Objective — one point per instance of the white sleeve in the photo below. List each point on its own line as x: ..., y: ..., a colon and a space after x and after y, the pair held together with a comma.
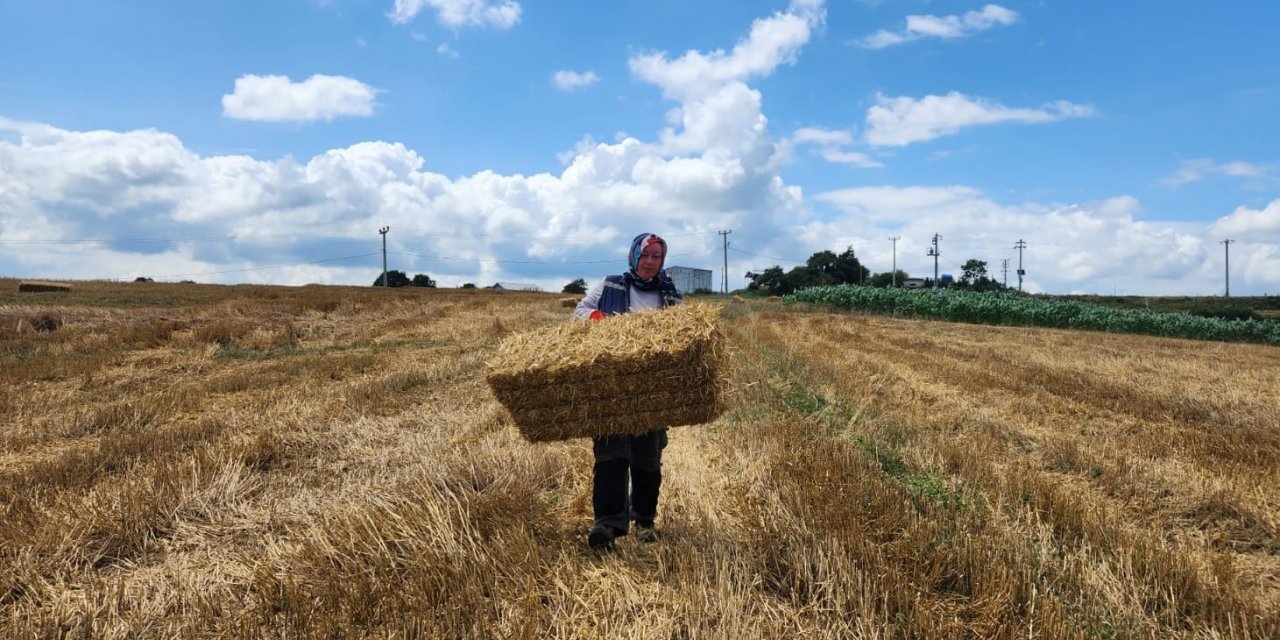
x: 589, y: 302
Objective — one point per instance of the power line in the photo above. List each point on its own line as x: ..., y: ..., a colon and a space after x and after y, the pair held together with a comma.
x: 255, y: 236
x: 761, y: 255
x: 612, y: 260
x: 274, y: 266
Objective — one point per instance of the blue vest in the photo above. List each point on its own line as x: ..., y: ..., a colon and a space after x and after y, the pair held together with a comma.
x: 615, y: 298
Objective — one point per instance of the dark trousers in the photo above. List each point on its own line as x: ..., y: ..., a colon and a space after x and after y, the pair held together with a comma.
x: 628, y: 474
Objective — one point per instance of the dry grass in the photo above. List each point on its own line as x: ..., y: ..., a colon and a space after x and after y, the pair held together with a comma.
x: 323, y: 462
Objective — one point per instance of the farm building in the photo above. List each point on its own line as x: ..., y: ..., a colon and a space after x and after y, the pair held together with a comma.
x: 690, y: 279
x: 515, y: 286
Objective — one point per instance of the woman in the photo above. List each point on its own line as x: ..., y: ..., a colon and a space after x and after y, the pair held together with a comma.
x: 623, y: 460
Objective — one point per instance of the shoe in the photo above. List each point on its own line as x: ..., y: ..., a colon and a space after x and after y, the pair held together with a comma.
x: 646, y: 533
x: 601, y: 537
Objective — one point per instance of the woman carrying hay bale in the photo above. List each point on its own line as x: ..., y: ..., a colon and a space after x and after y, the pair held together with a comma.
x: 634, y: 460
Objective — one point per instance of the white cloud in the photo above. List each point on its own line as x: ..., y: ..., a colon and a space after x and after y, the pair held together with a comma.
x: 447, y: 51
x: 1096, y: 247
x: 1245, y: 224
x: 1200, y: 168
x: 502, y: 14
x: 69, y: 186
x: 904, y: 120
x: 831, y: 147
x: 945, y: 27
x: 279, y: 99
x: 772, y: 42
x: 851, y: 158
x: 715, y: 166
x: 837, y: 137
x: 570, y: 80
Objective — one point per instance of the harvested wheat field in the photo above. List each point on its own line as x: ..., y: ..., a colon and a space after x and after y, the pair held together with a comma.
x: 185, y: 461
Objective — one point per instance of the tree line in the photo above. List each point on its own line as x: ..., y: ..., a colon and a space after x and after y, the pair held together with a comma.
x: 829, y: 268
x: 821, y: 269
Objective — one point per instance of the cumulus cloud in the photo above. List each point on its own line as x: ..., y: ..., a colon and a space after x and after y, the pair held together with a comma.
x: 447, y: 51
x: 945, y: 27
x: 903, y: 120
x: 772, y: 42
x: 713, y: 167
x: 279, y: 99
x: 93, y: 204
x: 502, y: 14
x: 570, y: 80
x: 816, y: 135
x: 1261, y: 225
x: 831, y: 146
x: 1093, y: 247
x: 1201, y: 168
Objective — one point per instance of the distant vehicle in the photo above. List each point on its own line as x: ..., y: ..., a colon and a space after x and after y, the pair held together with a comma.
x: 914, y: 283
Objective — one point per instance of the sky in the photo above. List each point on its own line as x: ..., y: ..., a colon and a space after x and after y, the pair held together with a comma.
x: 1130, y: 147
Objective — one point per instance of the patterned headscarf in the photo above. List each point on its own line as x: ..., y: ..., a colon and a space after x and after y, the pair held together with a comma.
x: 661, y: 282
x: 638, y: 245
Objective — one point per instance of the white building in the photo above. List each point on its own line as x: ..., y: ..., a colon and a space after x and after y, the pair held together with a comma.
x: 689, y: 279
x: 516, y: 286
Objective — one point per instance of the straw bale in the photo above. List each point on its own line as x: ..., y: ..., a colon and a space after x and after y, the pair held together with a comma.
x: 40, y: 286
x: 569, y: 303
x: 628, y: 374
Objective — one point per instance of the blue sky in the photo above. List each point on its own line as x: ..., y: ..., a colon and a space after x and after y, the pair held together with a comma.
x: 512, y: 141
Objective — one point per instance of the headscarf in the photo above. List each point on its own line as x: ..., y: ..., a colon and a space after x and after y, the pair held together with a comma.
x: 660, y: 282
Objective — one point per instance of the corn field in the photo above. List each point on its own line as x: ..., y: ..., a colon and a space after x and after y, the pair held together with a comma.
x: 199, y: 461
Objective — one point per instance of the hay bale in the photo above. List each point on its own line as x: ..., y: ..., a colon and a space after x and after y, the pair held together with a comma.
x: 40, y: 286
x: 569, y: 303
x: 628, y: 374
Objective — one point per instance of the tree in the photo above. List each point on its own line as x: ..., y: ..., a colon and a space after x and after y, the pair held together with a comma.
x: 973, y: 275
x: 395, y: 277
x: 423, y: 280
x: 972, y: 270
x: 468, y: 285
x: 886, y: 279
x: 821, y: 269
x: 771, y: 281
x: 849, y: 269
x: 578, y: 286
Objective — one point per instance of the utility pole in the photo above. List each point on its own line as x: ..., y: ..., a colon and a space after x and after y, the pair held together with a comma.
x: 724, y: 274
x: 934, y: 253
x: 1004, y: 267
x: 894, y: 274
x: 1020, y: 245
x: 1226, y: 249
x: 384, y: 231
